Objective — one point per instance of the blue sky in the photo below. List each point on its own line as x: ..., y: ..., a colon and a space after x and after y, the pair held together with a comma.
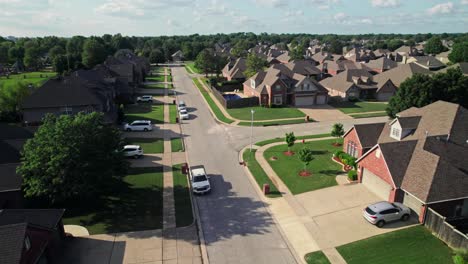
x: 183, y: 17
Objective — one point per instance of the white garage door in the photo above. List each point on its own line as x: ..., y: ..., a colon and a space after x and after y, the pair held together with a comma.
x: 376, y: 185
x: 412, y: 203
x: 321, y: 99
x: 305, y: 100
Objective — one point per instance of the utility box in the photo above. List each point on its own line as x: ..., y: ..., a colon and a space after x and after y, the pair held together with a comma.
x: 266, y: 188
x: 185, y: 168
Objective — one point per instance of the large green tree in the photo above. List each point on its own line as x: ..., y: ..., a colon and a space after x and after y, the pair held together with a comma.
x: 434, y: 46
x: 459, y: 52
x: 254, y: 64
x: 32, y: 57
x: 156, y: 56
x: 93, y: 53
x: 421, y: 90
x: 204, y: 61
x: 12, y: 95
x: 56, y: 51
x: 60, y: 64
x: 71, y: 157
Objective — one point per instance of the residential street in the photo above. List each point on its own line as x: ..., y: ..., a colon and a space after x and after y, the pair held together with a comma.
x: 236, y: 225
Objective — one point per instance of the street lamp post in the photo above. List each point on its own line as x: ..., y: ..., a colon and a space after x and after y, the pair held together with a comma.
x: 251, y: 128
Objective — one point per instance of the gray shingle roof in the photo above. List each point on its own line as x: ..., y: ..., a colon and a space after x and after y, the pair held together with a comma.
x: 344, y: 80
x: 368, y: 133
x: 9, y: 180
x: 11, y: 243
x: 400, y: 74
x: 397, y: 156
x: 44, y: 218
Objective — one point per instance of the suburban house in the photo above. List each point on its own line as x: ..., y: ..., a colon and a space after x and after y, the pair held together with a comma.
x: 280, y: 85
x: 30, y: 235
x: 177, y: 56
x: 234, y: 69
x: 427, y: 62
x: 321, y: 57
x: 381, y: 53
x: 334, y: 67
x: 400, y: 73
x: 284, y: 57
x: 443, y: 57
x: 70, y: 95
x: 419, y: 158
x: 381, y: 64
x: 12, y: 139
x: 358, y: 55
x: 462, y: 65
x: 358, y: 83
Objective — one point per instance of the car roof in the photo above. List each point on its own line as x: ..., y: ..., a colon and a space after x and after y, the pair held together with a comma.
x: 380, y: 206
x: 131, y: 146
x: 198, y: 172
x: 181, y: 102
x: 145, y: 121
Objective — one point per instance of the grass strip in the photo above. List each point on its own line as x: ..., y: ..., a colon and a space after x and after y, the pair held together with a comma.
x: 214, y: 107
x: 274, y: 140
x: 259, y: 174
x: 182, y: 201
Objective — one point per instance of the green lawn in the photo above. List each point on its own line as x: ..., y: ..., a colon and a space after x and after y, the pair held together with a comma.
x: 35, y: 78
x: 169, y: 78
x: 359, y: 107
x: 415, y: 245
x: 265, y: 113
x: 214, y: 107
x: 182, y: 201
x: 190, y: 66
x: 259, y: 174
x: 149, y: 145
x: 176, y: 145
x: 323, y: 169
x: 155, y: 113
x: 172, y: 113
x: 274, y: 140
x: 274, y: 123
x: 316, y: 257
x: 158, y: 86
x: 157, y: 78
x: 159, y: 70
x: 368, y: 115
x: 126, y: 208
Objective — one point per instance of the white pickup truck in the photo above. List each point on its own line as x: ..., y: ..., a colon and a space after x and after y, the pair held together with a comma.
x: 199, y: 180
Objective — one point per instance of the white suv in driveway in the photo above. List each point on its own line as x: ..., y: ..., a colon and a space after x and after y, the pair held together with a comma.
x: 383, y: 212
x: 145, y: 98
x: 133, y: 151
x: 199, y: 180
x: 139, y: 125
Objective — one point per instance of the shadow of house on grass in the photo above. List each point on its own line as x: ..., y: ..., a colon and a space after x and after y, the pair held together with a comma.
x: 82, y: 250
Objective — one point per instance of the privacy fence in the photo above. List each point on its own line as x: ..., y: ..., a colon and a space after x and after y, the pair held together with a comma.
x: 446, y: 231
x: 238, y: 103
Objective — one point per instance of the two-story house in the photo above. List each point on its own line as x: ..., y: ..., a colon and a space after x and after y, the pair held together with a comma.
x: 418, y: 158
x: 234, y: 69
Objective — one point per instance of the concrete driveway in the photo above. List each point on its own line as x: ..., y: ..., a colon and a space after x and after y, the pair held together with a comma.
x: 324, y: 113
x: 335, y: 215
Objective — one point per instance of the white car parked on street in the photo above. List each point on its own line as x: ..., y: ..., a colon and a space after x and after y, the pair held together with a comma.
x: 199, y: 180
x: 139, y: 125
x: 133, y: 151
x: 145, y: 98
x: 183, y: 114
x: 181, y: 105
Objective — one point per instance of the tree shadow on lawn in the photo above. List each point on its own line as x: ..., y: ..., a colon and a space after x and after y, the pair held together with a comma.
x: 330, y: 172
x: 124, y: 207
x: 138, y: 109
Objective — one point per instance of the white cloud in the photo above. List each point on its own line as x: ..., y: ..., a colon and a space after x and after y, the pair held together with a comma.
x: 444, y: 8
x: 464, y: 2
x: 340, y: 16
x: 366, y: 21
x: 137, y: 8
x: 271, y: 3
x: 385, y: 3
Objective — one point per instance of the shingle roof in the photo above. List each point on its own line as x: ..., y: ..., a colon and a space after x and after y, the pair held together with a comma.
x: 429, y: 62
x: 344, y: 80
x: 397, y: 156
x: 13, y: 132
x: 45, y: 218
x: 382, y: 64
x: 401, y: 73
x: 9, y: 180
x: 410, y: 122
x: 11, y: 243
x: 8, y: 153
x: 368, y: 133
x: 284, y: 57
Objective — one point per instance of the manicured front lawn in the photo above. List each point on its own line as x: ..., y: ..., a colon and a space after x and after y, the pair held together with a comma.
x: 158, y: 86
x: 169, y: 78
x: 265, y: 113
x: 159, y: 70
x: 172, y: 114
x: 158, y: 78
x: 155, y: 113
x: 316, y: 257
x: 259, y: 174
x: 359, y: 107
x: 323, y: 169
x: 126, y: 208
x: 214, y: 107
x: 274, y: 140
x: 190, y: 66
x: 149, y: 145
x: 369, y: 115
x: 35, y: 78
x: 176, y: 145
x: 415, y: 245
x: 274, y: 123
x: 182, y: 201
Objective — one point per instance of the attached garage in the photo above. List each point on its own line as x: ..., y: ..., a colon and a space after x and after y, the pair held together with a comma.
x: 376, y: 185
x: 321, y: 99
x: 413, y: 203
x: 384, y: 96
x: 305, y: 100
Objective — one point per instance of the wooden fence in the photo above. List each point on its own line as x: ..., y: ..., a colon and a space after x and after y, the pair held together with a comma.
x: 445, y: 231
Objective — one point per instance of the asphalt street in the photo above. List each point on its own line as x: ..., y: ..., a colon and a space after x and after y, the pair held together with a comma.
x: 236, y: 224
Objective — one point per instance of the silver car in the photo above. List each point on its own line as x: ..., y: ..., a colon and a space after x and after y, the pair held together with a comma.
x: 383, y: 212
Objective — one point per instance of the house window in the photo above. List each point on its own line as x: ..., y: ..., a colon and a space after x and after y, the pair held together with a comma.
x: 306, y: 87
x: 396, y: 133
x: 278, y: 100
x: 252, y: 83
x: 278, y: 87
x: 66, y: 110
x: 27, y: 243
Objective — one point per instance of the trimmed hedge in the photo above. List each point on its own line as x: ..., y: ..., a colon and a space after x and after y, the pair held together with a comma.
x: 352, y: 175
x: 345, y: 158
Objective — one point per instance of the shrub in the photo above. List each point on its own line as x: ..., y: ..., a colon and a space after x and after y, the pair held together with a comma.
x: 352, y: 175
x: 461, y: 257
x: 337, y: 153
x: 353, y: 99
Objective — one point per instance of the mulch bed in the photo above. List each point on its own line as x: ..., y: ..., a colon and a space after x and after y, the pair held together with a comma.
x: 274, y: 158
x: 304, y: 173
x: 289, y: 153
x: 337, y: 144
x: 345, y: 168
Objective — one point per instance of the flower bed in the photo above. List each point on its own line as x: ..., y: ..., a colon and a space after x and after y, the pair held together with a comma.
x: 347, y: 161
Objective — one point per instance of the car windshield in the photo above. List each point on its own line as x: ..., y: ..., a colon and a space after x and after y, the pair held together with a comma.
x: 199, y: 178
x: 183, y: 111
x: 369, y: 211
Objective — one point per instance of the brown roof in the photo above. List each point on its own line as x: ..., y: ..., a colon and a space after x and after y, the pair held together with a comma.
x: 429, y: 62
x: 397, y: 156
x: 284, y: 57
x: 400, y: 73
x: 11, y: 243
x: 410, y: 122
x: 368, y: 133
x: 345, y: 80
x: 235, y: 69
x: 382, y: 64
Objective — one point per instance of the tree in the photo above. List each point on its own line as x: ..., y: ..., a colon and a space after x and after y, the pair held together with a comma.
x: 72, y: 157
x: 56, y: 51
x: 395, y: 44
x: 336, y: 46
x: 93, y: 53
x: 254, y: 64
x: 156, y: 56
x: 240, y: 48
x: 337, y: 131
x: 32, y: 57
x: 421, y: 90
x: 60, y: 64
x: 204, y: 61
x: 4, y: 47
x: 290, y: 139
x: 297, y: 53
x: 16, y: 53
x: 459, y: 52
x: 12, y: 95
x: 434, y: 46
x: 305, y: 155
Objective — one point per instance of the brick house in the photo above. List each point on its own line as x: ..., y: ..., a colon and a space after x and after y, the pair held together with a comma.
x: 419, y: 158
x: 287, y: 84
x: 234, y: 69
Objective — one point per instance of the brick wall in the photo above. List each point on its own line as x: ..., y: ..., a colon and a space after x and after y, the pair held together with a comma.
x: 376, y: 166
x: 352, y: 137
